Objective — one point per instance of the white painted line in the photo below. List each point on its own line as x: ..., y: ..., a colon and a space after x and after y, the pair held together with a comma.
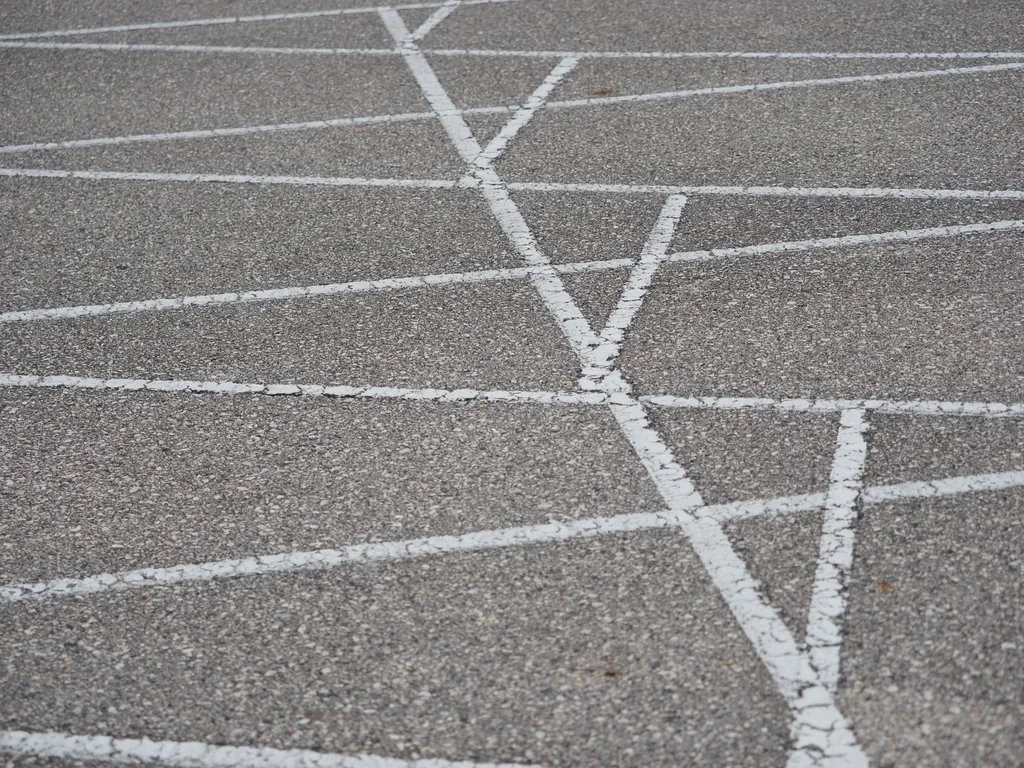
x: 13, y: 380
x: 534, y: 186
x: 194, y: 754
x: 848, y: 241
x: 548, y: 284
x: 611, y: 337
x: 772, y: 641
x: 302, y: 292
x: 835, y: 557
x: 291, y: 16
x: 952, y: 486
x: 725, y: 54
x: 258, y: 50
x: 652, y: 255
x: 525, y: 113
x: 910, y: 193
x: 909, y: 407
x: 782, y: 85
x: 579, y: 397
x: 325, y: 559
x: 428, y: 25
x: 212, y: 133
x: 217, y: 178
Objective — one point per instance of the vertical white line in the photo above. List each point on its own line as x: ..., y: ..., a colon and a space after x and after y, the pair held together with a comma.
x: 823, y: 726
x: 828, y: 600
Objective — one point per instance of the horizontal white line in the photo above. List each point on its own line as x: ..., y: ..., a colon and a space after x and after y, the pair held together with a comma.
x: 193, y: 754
x: 218, y: 178
x: 187, y: 48
x: 915, y: 193
x: 781, y: 85
x: 725, y: 54
x: 849, y: 241
x: 305, y: 390
x: 533, y: 186
x: 291, y: 16
x: 950, y: 486
x: 909, y: 407
x: 323, y: 559
x: 211, y: 133
x: 308, y: 291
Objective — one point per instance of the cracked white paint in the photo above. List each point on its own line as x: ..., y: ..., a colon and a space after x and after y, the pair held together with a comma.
x: 835, y: 558
x: 194, y: 754
x: 544, y: 533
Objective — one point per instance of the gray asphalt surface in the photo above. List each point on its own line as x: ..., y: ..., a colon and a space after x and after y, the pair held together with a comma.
x: 617, y: 650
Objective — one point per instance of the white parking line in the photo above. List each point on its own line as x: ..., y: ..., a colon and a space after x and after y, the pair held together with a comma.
x: 515, y: 273
x: 194, y: 754
x: 221, y: 20
x: 578, y: 397
x: 325, y: 559
x: 597, y: 101
x: 220, y: 178
x: 904, y: 193
x: 824, y: 635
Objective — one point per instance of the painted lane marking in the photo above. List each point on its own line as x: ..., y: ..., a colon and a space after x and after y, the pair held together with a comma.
x: 813, y: 55
x: 304, y: 292
x: 908, y: 193
x: 782, y: 85
x: 835, y: 558
x: 774, y: 644
x: 194, y: 754
x: 542, y: 397
x: 219, y: 178
x: 652, y: 255
x: 911, y: 193
x: 516, y: 273
x: 326, y: 559
x: 290, y: 16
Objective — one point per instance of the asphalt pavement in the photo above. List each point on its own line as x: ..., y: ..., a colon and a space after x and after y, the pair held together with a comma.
x: 512, y: 382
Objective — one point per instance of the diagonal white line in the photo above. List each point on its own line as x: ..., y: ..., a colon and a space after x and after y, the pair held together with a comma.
x: 290, y: 16
x: 879, y: 238
x: 547, y: 282
x: 652, y: 255
x: 772, y: 640
x: 194, y: 754
x: 914, y: 407
x: 782, y: 85
x: 606, y: 346
x: 304, y: 292
x: 909, y: 193
x: 828, y: 599
x: 326, y: 559
x: 525, y: 113
x: 542, y: 397
x: 258, y: 50
x: 220, y: 178
x: 812, y: 55
x: 244, y: 130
